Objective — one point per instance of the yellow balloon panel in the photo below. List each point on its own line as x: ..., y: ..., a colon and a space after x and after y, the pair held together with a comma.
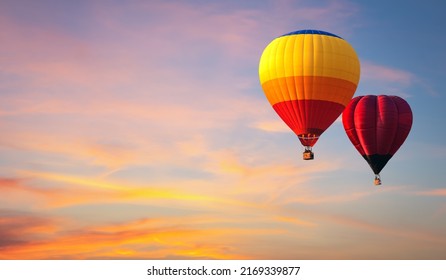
x: 309, y: 55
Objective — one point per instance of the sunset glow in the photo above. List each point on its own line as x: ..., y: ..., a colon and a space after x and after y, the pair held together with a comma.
x: 139, y: 130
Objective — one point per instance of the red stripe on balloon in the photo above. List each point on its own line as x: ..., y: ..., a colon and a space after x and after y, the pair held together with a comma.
x: 308, y: 117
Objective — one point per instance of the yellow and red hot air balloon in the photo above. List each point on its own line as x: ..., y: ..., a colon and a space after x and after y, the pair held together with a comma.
x: 309, y: 76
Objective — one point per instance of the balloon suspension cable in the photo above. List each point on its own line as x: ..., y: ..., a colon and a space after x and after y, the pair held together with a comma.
x: 377, y: 180
x: 308, y: 153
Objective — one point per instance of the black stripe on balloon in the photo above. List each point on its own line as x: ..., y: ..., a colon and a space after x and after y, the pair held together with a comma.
x: 377, y: 162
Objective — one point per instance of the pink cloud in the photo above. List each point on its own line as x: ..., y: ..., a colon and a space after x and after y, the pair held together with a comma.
x: 433, y: 192
x: 272, y: 126
x: 383, y: 73
x: 76, y: 75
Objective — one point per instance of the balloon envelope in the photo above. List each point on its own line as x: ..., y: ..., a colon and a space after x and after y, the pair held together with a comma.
x: 377, y: 126
x: 309, y: 76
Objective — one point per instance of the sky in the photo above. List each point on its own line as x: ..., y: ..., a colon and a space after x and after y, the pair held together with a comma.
x: 139, y: 130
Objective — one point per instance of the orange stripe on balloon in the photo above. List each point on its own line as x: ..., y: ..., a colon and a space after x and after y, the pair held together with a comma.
x: 309, y: 88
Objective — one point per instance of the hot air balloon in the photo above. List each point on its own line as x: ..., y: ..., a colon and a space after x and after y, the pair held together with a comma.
x: 309, y: 76
x: 377, y: 126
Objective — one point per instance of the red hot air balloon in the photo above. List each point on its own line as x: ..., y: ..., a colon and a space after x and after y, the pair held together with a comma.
x: 377, y: 126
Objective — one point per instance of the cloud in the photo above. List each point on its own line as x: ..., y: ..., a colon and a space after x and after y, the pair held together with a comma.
x: 384, y: 230
x: 158, y: 238
x: 373, y: 71
x: 294, y: 220
x: 272, y: 126
x: 19, y: 228
x: 80, y: 190
x: 146, y: 52
x: 432, y: 192
x: 25, y: 193
x: 95, y: 102
x: 391, y: 80
x: 163, y: 235
x: 10, y: 183
x: 222, y: 229
x: 109, y: 102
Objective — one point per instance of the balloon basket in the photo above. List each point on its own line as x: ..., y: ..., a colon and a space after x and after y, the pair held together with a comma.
x: 308, y: 155
x: 377, y: 180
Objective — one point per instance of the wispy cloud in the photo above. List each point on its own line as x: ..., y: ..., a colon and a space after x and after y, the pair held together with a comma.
x: 392, y: 80
x: 272, y: 126
x: 294, y: 220
x: 373, y: 71
x: 165, y: 235
x: 432, y: 192
x: 18, y: 228
x: 141, y: 239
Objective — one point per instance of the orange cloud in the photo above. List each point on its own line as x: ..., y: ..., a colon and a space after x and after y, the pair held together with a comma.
x: 75, y: 190
x: 224, y: 229
x: 24, y: 192
x: 17, y: 229
x: 272, y: 126
x: 221, y: 234
x: 296, y: 221
x: 433, y: 192
x: 140, y: 239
